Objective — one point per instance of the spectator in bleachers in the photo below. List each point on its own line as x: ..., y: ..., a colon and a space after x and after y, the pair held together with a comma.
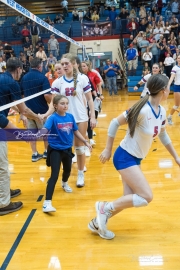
x: 64, y: 5
x: 143, y: 45
x: 132, y: 14
x: 30, y: 53
x: 15, y: 30
x: 53, y: 46
x: 175, y: 7
x: 112, y: 17
x: 168, y: 63
x: 142, y: 13
x: 173, y: 18
x: 25, y: 33
x: 21, y: 55
x: 158, y: 31
x: 133, y: 27
x: 146, y: 69
x: 172, y: 47
x: 130, y: 40
x: 162, y: 47
x: 95, y: 16
x: 175, y: 55
x: 51, y: 74
x: 19, y: 20
x: 39, y: 43
x: 174, y: 27
x: 26, y: 65
x: 161, y: 67
x: 26, y: 44
x: 87, y: 15
x: 51, y: 60
x: 143, y: 25
x: 75, y: 15
x: 42, y: 55
x: 161, y: 21
x: 1, y: 48
x: 147, y: 57
x: 2, y: 64
x: 159, y: 6
x: 110, y: 72
x: 56, y: 20
x: 155, y: 51
x: 61, y: 20
x: 48, y: 20
x: 131, y: 57
x: 7, y: 50
x: 167, y: 30
x: 81, y: 14
x: 34, y: 31
x: 101, y: 8
x: 123, y: 14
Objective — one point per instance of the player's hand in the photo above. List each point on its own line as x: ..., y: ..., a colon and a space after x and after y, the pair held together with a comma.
x: 105, y: 156
x: 93, y: 123
x: 42, y: 117
x: 88, y: 145
x: 24, y: 119
x: 135, y: 88
x: 101, y: 97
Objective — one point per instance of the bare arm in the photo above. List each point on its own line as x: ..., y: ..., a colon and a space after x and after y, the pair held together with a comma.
x: 51, y: 108
x: 171, y: 79
x: 24, y: 110
x: 48, y: 98
x: 91, y: 106
x: 140, y: 83
x: 81, y: 138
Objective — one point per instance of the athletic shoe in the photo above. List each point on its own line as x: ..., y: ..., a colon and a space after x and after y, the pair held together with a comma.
x: 85, y: 169
x: 74, y: 159
x: 15, y: 192
x: 45, y: 154
x: 36, y: 157
x: 169, y: 119
x: 87, y: 152
x: 92, y: 142
x: 94, y: 133
x: 47, y: 207
x: 66, y: 187
x: 93, y: 226
x: 80, y: 180
x: 12, y: 207
x: 102, y: 215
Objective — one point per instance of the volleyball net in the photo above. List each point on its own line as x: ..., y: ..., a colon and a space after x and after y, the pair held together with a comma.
x: 16, y: 39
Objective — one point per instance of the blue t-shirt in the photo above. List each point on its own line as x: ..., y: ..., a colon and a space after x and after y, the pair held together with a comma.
x: 110, y: 73
x: 9, y: 90
x: 34, y: 82
x: 64, y: 127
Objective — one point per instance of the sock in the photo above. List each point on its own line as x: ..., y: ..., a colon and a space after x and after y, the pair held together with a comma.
x: 109, y: 207
x: 169, y: 116
x: 35, y: 153
x: 80, y: 172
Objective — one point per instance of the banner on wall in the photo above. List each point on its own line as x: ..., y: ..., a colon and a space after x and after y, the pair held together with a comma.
x: 96, y: 29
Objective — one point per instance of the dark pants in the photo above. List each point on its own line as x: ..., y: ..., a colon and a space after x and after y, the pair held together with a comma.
x: 89, y: 129
x: 168, y: 70
x: 56, y: 157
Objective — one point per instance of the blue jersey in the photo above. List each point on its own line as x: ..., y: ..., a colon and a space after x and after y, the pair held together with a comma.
x: 64, y: 127
x: 34, y: 82
x: 9, y: 90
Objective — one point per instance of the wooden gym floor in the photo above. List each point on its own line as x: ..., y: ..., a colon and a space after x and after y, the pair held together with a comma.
x: 146, y: 238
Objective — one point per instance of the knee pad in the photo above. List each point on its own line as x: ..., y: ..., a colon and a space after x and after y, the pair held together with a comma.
x: 80, y: 150
x: 138, y: 201
x: 175, y: 107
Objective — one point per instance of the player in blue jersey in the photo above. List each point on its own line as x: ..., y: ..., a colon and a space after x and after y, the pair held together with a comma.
x: 63, y: 125
x: 146, y: 119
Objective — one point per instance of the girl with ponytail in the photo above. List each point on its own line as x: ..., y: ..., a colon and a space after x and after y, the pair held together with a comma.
x: 75, y: 86
x: 146, y: 119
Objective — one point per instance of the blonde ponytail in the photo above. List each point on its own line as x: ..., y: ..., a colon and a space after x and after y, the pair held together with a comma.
x: 75, y: 74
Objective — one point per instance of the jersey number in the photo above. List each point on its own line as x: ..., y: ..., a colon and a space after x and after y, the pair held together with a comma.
x: 155, y: 131
x: 69, y: 91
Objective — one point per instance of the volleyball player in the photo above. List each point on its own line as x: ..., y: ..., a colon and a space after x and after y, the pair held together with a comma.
x: 146, y: 119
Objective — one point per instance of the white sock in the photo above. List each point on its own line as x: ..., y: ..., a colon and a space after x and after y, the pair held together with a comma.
x: 35, y: 153
x: 109, y: 206
x: 169, y: 116
x: 80, y: 172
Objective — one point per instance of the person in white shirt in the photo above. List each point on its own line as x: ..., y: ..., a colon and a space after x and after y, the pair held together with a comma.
x: 147, y: 57
x: 146, y: 119
x: 75, y: 85
x: 42, y: 55
x: 2, y: 64
x: 53, y: 46
x: 168, y: 62
x: 158, y: 31
x: 175, y: 76
x: 144, y: 80
x: 175, y: 55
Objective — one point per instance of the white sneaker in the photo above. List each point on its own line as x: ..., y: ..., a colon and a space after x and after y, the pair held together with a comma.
x: 92, y: 142
x: 74, y: 159
x: 66, y: 187
x: 85, y: 169
x: 93, y: 226
x: 87, y: 152
x: 169, y: 119
x: 47, y: 207
x: 80, y: 180
x: 102, y: 216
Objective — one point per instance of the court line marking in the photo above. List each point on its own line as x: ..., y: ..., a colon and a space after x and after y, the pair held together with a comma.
x: 40, y: 198
x: 18, y: 240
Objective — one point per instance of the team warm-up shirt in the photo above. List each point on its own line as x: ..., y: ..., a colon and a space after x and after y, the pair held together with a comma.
x: 176, y: 70
x: 64, y: 127
x: 148, y: 126
x: 76, y: 103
